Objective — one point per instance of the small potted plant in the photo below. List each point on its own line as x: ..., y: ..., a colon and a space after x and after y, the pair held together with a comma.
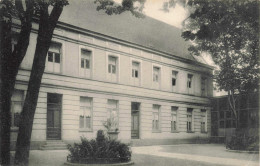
x: 112, y: 128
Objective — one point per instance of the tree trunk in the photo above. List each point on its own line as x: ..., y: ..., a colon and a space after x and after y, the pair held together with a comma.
x: 27, y: 115
x: 46, y: 27
x: 5, y: 89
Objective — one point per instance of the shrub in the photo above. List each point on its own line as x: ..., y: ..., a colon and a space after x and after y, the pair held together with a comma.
x: 243, y: 142
x: 99, y: 150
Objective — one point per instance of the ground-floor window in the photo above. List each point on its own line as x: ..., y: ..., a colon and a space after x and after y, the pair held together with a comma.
x: 203, y: 123
x: 156, y: 118
x: 112, y: 114
x: 85, y: 121
x: 189, y: 120
x: 174, y: 119
x: 16, y: 107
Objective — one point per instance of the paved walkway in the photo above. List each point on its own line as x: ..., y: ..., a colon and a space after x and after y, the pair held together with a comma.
x: 159, y: 151
x: 167, y: 155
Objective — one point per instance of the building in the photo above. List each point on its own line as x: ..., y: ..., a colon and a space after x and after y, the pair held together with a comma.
x: 137, y: 71
x: 223, y: 119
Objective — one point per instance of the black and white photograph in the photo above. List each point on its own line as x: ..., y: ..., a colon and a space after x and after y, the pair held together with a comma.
x: 129, y: 82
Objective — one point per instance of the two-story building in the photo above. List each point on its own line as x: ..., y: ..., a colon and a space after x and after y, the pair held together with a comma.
x: 136, y: 71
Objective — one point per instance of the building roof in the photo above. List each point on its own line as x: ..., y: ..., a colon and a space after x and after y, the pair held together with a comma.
x: 147, y: 32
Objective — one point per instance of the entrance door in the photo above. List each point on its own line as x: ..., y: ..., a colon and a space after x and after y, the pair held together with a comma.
x: 135, y: 120
x: 53, y: 116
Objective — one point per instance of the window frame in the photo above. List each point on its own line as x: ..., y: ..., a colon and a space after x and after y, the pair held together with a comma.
x: 203, y: 115
x: 91, y: 62
x: 84, y: 128
x: 156, y: 84
x: 174, y: 109
x: 158, y: 129
x: 204, y: 81
x: 190, y: 81
x: 109, y: 110
x: 117, y: 74
x: 13, y: 127
x: 134, y: 79
x: 61, y: 57
x: 190, y: 123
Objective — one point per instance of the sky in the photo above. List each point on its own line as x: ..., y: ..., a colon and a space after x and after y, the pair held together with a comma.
x: 174, y: 17
x: 153, y: 9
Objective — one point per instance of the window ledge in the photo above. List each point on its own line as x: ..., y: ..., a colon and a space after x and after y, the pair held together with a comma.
x: 85, y: 130
x: 14, y: 129
x: 190, y: 132
x: 204, y: 132
x: 174, y: 131
x: 156, y: 131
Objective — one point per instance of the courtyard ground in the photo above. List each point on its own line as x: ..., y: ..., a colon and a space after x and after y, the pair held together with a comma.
x: 166, y: 155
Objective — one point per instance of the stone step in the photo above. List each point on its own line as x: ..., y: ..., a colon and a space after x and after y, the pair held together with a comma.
x: 54, y: 145
x: 53, y: 148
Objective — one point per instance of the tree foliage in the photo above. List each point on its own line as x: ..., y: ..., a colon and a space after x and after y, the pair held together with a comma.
x: 228, y: 30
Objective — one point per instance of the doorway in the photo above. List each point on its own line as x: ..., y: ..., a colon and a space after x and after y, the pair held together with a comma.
x: 54, y: 116
x: 135, y: 121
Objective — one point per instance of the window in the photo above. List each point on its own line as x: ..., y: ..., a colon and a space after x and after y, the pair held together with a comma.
x: 174, y: 119
x: 85, y: 117
x: 112, y: 113
x: 156, y: 118
x: 203, y: 123
x: 189, y: 120
x: 16, y: 107
x: 156, y: 72
x: 135, y: 73
x: 112, y: 68
x: 135, y: 69
x: 156, y: 77
x: 85, y: 63
x: 54, y: 58
x: 189, y: 82
x: 203, y: 86
x: 174, y: 80
x: 112, y: 65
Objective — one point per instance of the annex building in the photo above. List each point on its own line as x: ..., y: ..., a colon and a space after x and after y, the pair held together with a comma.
x: 135, y: 71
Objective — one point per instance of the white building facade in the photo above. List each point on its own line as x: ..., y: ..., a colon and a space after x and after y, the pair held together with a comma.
x: 155, y: 97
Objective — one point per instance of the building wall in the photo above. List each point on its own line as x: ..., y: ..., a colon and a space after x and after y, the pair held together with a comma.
x: 247, y: 107
x: 72, y: 86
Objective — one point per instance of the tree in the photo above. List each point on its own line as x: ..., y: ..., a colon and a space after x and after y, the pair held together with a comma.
x: 229, y: 32
x: 35, y: 10
x: 11, y: 60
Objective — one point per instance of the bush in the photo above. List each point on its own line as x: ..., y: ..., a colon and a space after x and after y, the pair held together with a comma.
x: 100, y: 150
x: 243, y: 142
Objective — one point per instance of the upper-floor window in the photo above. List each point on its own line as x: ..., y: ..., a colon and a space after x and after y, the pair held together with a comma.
x: 112, y: 68
x: 189, y: 81
x: 156, y: 77
x: 135, y: 73
x: 112, y: 113
x: 174, y: 80
x: 189, y: 119
x: 203, y: 86
x: 54, y: 58
x: 85, y: 63
x: 135, y: 69
x: 85, y: 118
x: 112, y: 64
x: 16, y: 107
x: 156, y: 118
x: 203, y: 122
x: 156, y: 74
x: 174, y: 119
